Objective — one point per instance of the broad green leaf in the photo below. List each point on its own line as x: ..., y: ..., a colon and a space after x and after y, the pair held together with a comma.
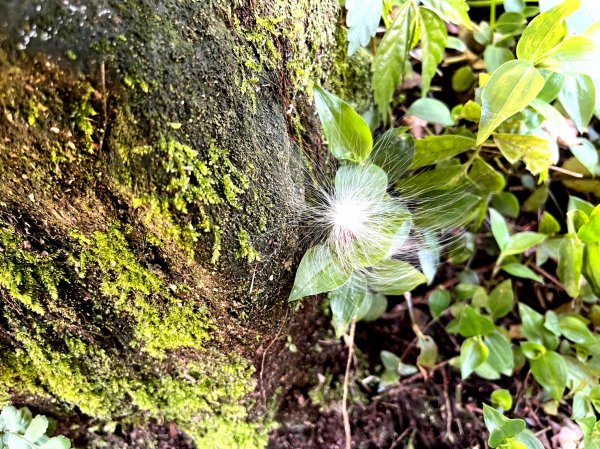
x: 439, y: 301
x: 501, y: 299
x: 570, y: 264
x: 499, y: 426
x: 378, y: 307
x: 521, y: 242
x: 433, y: 149
x: 514, y: 5
x: 433, y: 42
x: 494, y: 57
x: 591, y: 262
x: 362, y: 20
x: 428, y: 351
x: 445, y: 210
x: 579, y: 204
x: 443, y: 178
x: 578, y: 97
x: 349, y: 302
x: 502, y: 399
x: 36, y: 429
x: 522, y: 271
x: 545, y: 32
x: 395, y: 277
x: 472, y: 323
x: 551, y: 372
x: 532, y: 350
x: 586, y: 154
x: 533, y: 327
x: 473, y: 352
x: 432, y: 111
x: 508, y: 91
x: 590, y: 231
x: 318, y: 272
x: 537, y: 153
x: 576, y: 55
x: 528, y: 438
x: 394, y: 152
x: 576, y: 330
x: 348, y: 135
x: 499, y: 228
x: 511, y: 22
x: 501, y: 356
x: 552, y: 87
x: 390, y: 361
x: 463, y: 79
x: 486, y: 178
x: 389, y: 63
x: 506, y: 203
x: 548, y: 224
x: 471, y: 111
x: 58, y: 442
x: 455, y: 11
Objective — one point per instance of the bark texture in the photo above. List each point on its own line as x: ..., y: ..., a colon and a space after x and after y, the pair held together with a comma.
x: 147, y: 205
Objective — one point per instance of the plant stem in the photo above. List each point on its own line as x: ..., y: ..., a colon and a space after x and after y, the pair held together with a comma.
x: 492, y: 20
x: 345, y: 415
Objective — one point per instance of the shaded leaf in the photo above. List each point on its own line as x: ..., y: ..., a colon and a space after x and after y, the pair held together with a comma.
x: 432, y: 111
x: 362, y: 20
x: 550, y: 370
x: 433, y: 149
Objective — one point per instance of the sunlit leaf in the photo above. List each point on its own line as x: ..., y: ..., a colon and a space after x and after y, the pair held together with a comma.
x: 348, y: 135
x: 551, y: 372
x: 433, y: 42
x: 432, y: 149
x: 509, y: 90
x: 362, y: 20
x: 455, y: 11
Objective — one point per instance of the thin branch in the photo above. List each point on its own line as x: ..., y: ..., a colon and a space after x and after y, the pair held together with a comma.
x: 345, y: 415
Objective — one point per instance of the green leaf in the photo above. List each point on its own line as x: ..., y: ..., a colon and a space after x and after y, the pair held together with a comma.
x: 472, y: 323
x: 439, y: 301
x: 389, y: 63
x: 576, y: 55
x: 486, y: 178
x: 394, y: 152
x: 545, y: 32
x: 501, y: 299
x: 365, y: 182
x: 455, y: 11
x: 378, y: 307
x: 581, y: 205
x: 473, y: 352
x: 433, y: 42
x: 499, y: 228
x: 590, y: 231
x: 362, y: 20
x: 514, y: 5
x: 433, y: 149
x: 570, y: 264
x: 348, y: 135
x: 576, y: 330
x: 586, y: 154
x: 16, y: 421
x: 463, y: 79
x: 494, y: 57
x: 349, y: 302
x: 390, y: 361
x: 428, y: 351
x: 551, y: 372
x: 501, y: 398
x: 432, y: 111
x: 537, y: 153
x: 591, y: 262
x: 521, y: 242
x: 578, y: 97
x: 522, y: 271
x: 318, y: 272
x: 509, y: 90
x: 506, y: 203
x: 511, y: 23
x: 500, y: 427
x: 532, y: 350
x: 501, y: 356
x: 552, y: 87
x: 533, y: 327
x: 395, y: 277
x: 530, y: 441
x: 58, y: 442
x: 429, y: 256
x: 548, y: 224
x: 36, y: 429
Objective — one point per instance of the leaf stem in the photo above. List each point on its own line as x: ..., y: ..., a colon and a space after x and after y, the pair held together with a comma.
x: 492, y: 20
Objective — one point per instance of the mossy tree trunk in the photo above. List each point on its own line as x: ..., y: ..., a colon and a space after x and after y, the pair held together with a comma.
x: 150, y: 186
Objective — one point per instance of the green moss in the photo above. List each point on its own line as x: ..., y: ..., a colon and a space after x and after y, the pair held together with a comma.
x: 179, y: 189
x: 141, y: 293
x: 83, y: 119
x: 246, y: 249
x: 26, y: 275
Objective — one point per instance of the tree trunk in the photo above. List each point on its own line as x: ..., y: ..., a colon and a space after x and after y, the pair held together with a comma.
x: 149, y: 195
